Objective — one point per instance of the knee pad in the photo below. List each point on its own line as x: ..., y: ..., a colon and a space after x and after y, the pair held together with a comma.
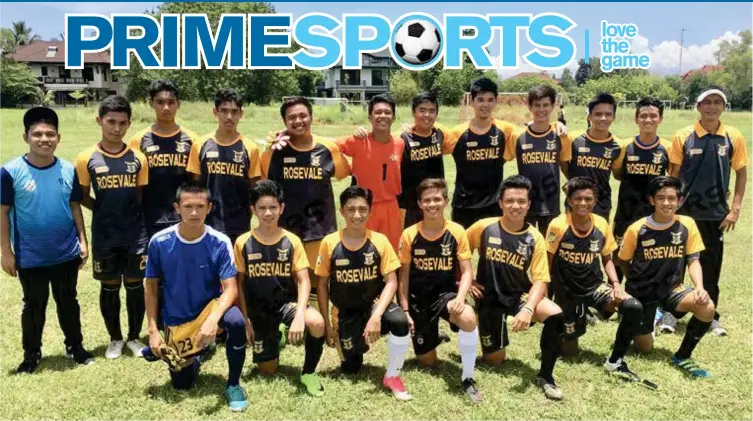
x: 399, y: 325
x: 352, y: 364
x: 557, y: 321
x: 631, y: 308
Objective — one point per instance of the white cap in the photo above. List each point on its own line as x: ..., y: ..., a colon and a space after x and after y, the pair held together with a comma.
x: 708, y: 92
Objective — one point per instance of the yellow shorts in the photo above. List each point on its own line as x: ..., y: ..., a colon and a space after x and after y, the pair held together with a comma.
x: 182, y: 338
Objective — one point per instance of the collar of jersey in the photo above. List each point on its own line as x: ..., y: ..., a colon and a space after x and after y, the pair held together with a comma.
x: 575, y: 232
x: 658, y: 228
x: 112, y: 155
x: 441, y: 233
x: 165, y: 135
x: 588, y: 136
x: 701, y: 132
x: 365, y: 239
x: 282, y: 234
x: 487, y: 130
x: 26, y: 160
x: 646, y: 147
x: 238, y: 139
x: 313, y: 145
x: 502, y: 225
x: 184, y: 241
x: 538, y: 135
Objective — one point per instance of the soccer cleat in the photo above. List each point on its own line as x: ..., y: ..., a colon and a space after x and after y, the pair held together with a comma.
x: 620, y: 369
x: 313, y: 384
x: 135, y: 346
x: 396, y: 385
x: 114, y: 349
x: 690, y: 367
x: 79, y: 355
x: 470, y: 390
x: 236, y: 398
x: 551, y: 390
x: 443, y: 337
x: 717, y: 329
x: 283, y: 335
x: 29, y: 364
x: 668, y: 323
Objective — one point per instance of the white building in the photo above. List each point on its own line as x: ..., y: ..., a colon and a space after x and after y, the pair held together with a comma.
x: 360, y: 85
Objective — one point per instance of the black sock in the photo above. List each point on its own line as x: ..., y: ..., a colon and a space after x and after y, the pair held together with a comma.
x: 136, y: 308
x: 314, y: 348
x: 632, y: 311
x: 693, y: 334
x: 352, y: 364
x: 109, y: 305
x: 551, y: 343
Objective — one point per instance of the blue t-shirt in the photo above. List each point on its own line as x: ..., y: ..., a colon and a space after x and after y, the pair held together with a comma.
x: 42, y: 230
x: 191, y: 271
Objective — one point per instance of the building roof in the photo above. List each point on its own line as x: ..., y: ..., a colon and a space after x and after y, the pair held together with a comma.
x: 708, y: 68
x: 53, y: 52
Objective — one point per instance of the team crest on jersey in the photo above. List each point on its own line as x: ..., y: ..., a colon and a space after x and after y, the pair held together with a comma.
x: 181, y: 147
x: 594, y: 246
x: 608, y: 153
x: 446, y: 249
x: 368, y: 258
x: 551, y: 238
x: 393, y: 157
x: 657, y: 157
x: 316, y: 160
x: 551, y: 145
x: 522, y: 248
x: 347, y: 343
x: 282, y: 254
x: 258, y: 347
x: 434, y: 138
x: 30, y: 186
x: 676, y: 238
x: 238, y: 156
x: 722, y: 150
x: 131, y: 167
x: 494, y: 140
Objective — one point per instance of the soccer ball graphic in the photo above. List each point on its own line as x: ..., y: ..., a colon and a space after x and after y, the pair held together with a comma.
x: 417, y: 41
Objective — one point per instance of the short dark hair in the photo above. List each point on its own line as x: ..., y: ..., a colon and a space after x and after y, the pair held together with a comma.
x: 431, y: 183
x: 115, y: 104
x: 381, y: 98
x: 354, y: 192
x: 264, y: 188
x: 602, y: 98
x: 516, y: 181
x: 38, y: 115
x: 296, y: 100
x: 424, y: 97
x: 650, y: 101
x: 483, y: 84
x: 576, y: 184
x: 192, y: 187
x: 541, y: 92
x: 663, y: 181
x: 163, y: 85
x: 227, y: 95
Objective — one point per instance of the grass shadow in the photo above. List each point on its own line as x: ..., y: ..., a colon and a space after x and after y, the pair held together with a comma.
x: 512, y: 367
x: 445, y: 369
x: 290, y: 373
x: 585, y: 356
x: 369, y: 373
x: 206, y: 384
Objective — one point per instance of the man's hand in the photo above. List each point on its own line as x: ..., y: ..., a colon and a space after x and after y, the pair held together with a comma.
x: 477, y: 290
x: 8, y: 262
x: 361, y: 132
x: 561, y: 129
x: 207, y: 333
x: 279, y: 139
x: 373, y: 330
x: 330, y: 335
x: 456, y: 306
x: 522, y: 320
x: 406, y: 128
x: 618, y: 294
x: 701, y: 296
x: 730, y: 221
x: 250, y: 334
x: 295, y: 333
x: 411, y: 325
x: 84, y: 253
x: 155, y: 343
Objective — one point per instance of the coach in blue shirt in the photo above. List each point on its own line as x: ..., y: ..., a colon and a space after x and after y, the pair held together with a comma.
x: 42, y: 236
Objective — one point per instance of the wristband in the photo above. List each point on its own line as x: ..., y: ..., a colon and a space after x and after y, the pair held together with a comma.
x: 528, y: 309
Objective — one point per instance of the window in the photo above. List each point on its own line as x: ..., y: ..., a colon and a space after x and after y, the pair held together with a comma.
x: 378, y: 78
x: 63, y: 72
x: 350, y: 77
x: 44, y: 70
x: 88, y: 74
x: 104, y: 74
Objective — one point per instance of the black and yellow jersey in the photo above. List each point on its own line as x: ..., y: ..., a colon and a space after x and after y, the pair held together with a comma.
x: 657, y: 255
x: 434, y: 262
x: 509, y: 262
x: 226, y: 170
x: 576, y: 262
x: 596, y: 159
x: 705, y: 161
x: 270, y: 269
x: 641, y: 165
x: 422, y: 159
x: 117, y: 218
x: 538, y: 156
x: 356, y: 277
x: 306, y: 180
x: 479, y: 158
x: 167, y: 156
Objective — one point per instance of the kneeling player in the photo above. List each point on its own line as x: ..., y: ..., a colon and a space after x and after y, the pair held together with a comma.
x: 270, y: 260
x: 431, y: 252
x: 513, y: 275
x: 194, y: 264
x: 653, y: 256
x: 356, y: 267
x: 576, y: 240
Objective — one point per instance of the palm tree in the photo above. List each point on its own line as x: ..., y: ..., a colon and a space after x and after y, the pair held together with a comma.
x: 22, y: 34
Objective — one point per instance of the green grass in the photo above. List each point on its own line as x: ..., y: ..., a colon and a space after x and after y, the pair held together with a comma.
x: 130, y: 388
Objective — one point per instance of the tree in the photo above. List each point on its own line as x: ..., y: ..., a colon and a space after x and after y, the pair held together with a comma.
x: 19, y: 84
x: 403, y: 86
x: 736, y: 60
x: 583, y: 73
x: 22, y: 33
x: 526, y: 83
x: 7, y: 41
x: 567, y: 81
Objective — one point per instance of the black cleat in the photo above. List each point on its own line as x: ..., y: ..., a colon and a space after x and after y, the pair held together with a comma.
x: 79, y: 355
x: 29, y: 364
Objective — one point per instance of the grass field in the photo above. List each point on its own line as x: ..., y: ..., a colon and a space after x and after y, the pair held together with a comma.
x: 130, y: 388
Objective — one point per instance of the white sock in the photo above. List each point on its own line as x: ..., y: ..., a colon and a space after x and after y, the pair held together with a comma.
x: 397, y: 349
x: 467, y: 342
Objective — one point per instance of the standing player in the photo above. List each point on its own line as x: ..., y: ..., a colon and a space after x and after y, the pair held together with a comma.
x: 228, y: 164
x: 194, y: 265
x: 356, y: 267
x: 166, y: 146
x: 272, y: 266
x: 597, y: 153
x: 42, y: 219
x: 702, y: 156
x: 539, y: 152
x: 117, y: 174
x: 653, y: 256
x: 432, y: 252
x: 579, y: 243
x: 513, y: 274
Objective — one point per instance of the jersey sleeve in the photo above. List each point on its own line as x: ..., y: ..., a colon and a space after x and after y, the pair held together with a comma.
x: 390, y: 262
x: 82, y: 168
x: 225, y: 260
x: 349, y: 145
x: 240, y: 262
x: 510, y: 146
x: 323, y: 260
x: 630, y: 241
x: 264, y: 161
x: 7, y: 193
x: 300, y: 261
x: 695, y: 242
x: 194, y: 164
x: 739, y: 152
x: 405, y: 251
x: 566, y: 154
x: 554, y: 234
x: 254, y: 164
x: 153, y: 266
x: 539, y: 269
x: 76, y: 194
x: 677, y: 151
x: 143, y: 178
x: 617, y: 164
x: 452, y: 136
x: 610, y: 244
x: 135, y: 141
x: 474, y: 235
x: 342, y: 168
x: 464, y: 249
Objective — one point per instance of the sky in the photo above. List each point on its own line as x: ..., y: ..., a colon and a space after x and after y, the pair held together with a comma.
x: 660, y: 25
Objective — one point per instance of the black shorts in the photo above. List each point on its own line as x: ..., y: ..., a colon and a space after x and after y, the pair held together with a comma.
x: 492, y: 323
x: 112, y: 263
x: 351, y: 323
x: 574, y: 308
x: 468, y: 217
x: 267, y: 331
x: 620, y: 226
x: 426, y: 322
x: 668, y: 304
x: 540, y: 221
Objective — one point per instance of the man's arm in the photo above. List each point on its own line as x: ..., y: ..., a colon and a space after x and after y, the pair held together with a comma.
x: 563, y: 168
x: 86, y: 200
x: 696, y: 275
x: 8, y: 258
x: 625, y: 266
x: 208, y: 330
x: 241, y: 280
x: 374, y: 325
x: 402, y: 296
x: 298, y: 326
x: 674, y: 170
x: 78, y: 220
x: 741, y: 179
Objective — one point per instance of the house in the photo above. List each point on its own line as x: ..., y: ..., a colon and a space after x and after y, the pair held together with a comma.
x: 360, y: 84
x: 46, y: 59
x: 708, y: 68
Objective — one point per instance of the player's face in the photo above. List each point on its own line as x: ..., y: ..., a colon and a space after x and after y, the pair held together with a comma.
x: 432, y: 203
x: 228, y: 115
x: 484, y: 104
x: 648, y: 119
x: 381, y: 117
x: 711, y: 107
x: 602, y: 117
x: 43, y: 139
x: 298, y: 120
x: 582, y: 202
x: 356, y: 212
x: 114, y: 126
x: 165, y: 106
x: 425, y: 115
x: 268, y: 210
x: 193, y: 209
x: 665, y: 201
x: 541, y: 110
x: 515, y: 204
